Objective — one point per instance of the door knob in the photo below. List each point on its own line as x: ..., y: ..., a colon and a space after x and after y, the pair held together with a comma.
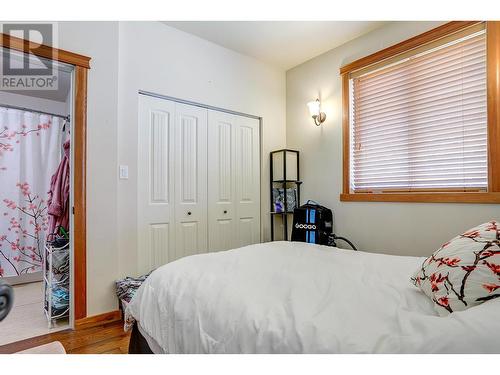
x: 225, y: 211
x: 189, y: 212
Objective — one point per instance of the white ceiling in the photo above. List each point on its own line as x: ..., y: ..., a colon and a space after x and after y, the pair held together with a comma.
x: 284, y: 44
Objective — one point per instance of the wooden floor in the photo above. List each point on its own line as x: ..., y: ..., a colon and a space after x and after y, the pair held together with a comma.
x: 107, y: 338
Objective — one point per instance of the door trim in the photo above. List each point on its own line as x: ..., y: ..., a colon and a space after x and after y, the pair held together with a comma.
x: 25, y: 46
x: 80, y: 196
x: 82, y: 65
x: 195, y: 104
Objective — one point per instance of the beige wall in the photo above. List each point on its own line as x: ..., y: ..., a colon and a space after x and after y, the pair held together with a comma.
x: 99, y: 40
x: 132, y: 56
x: 395, y: 228
x: 160, y: 59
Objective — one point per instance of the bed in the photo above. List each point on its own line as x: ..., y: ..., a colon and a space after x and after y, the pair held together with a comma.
x: 293, y: 297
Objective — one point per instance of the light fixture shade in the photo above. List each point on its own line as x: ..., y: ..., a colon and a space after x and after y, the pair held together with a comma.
x: 314, y: 108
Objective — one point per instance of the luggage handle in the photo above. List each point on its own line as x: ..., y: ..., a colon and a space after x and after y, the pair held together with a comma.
x: 314, y: 202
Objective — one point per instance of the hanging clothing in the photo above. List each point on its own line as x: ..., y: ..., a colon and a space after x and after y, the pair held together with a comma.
x: 58, y: 202
x: 30, y: 146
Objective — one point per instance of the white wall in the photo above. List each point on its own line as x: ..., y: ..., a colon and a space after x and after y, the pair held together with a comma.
x: 99, y: 40
x: 127, y: 57
x: 395, y: 228
x: 31, y: 102
x: 156, y: 58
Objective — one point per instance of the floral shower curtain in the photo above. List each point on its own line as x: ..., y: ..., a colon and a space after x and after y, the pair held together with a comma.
x: 30, y: 151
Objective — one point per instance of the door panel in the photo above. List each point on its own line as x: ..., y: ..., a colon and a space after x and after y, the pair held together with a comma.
x: 190, y: 180
x: 221, y: 181
x: 247, y: 180
x: 159, y: 244
x: 155, y: 176
x: 189, y: 238
x: 247, y: 231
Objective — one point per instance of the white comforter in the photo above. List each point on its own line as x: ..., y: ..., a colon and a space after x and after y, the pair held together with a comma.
x: 290, y: 297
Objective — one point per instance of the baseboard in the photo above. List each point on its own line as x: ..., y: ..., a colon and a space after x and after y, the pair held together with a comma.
x: 90, y: 321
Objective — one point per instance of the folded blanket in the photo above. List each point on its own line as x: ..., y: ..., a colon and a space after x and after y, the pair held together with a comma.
x: 125, y: 290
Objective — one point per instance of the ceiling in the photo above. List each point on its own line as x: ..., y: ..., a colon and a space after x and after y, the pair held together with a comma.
x: 283, y: 44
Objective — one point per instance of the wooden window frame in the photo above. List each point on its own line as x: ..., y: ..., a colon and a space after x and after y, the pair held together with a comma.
x: 81, y: 65
x: 492, y: 195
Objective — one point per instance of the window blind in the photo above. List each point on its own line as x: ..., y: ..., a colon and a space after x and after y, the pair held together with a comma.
x: 420, y: 123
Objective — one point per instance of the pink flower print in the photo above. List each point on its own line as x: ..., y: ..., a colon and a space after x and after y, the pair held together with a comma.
x: 492, y: 226
x: 444, y: 301
x: 468, y: 268
x: 445, y: 244
x: 435, y: 281
x: 449, y: 261
x: 25, y: 188
x: 494, y: 267
x: 471, y: 234
x: 491, y: 287
x: 489, y: 253
x: 10, y: 204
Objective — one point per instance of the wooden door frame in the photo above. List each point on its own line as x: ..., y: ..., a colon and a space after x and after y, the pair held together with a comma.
x: 81, y: 66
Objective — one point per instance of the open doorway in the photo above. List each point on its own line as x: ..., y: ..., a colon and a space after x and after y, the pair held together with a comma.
x: 35, y: 202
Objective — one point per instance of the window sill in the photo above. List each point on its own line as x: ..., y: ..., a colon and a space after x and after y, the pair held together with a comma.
x: 435, y: 197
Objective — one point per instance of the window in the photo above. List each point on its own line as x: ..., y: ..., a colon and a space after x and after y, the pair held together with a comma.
x: 420, y: 123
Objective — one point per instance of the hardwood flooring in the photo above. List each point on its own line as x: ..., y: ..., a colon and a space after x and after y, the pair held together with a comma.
x: 106, y: 338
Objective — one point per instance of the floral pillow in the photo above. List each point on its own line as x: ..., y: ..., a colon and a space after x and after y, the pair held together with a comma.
x: 464, y: 272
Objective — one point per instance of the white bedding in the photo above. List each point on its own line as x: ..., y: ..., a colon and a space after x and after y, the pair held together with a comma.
x: 291, y: 297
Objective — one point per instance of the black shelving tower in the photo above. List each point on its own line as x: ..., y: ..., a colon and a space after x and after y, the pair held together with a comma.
x: 284, y: 183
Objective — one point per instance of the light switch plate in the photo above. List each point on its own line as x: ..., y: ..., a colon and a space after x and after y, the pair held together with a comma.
x: 123, y: 172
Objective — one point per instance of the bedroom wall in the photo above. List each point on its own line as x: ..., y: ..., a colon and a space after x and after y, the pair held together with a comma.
x: 46, y: 105
x: 160, y: 59
x: 127, y: 57
x: 394, y: 228
x: 99, y: 40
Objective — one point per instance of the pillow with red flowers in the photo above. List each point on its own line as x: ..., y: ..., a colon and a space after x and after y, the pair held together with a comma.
x: 463, y: 272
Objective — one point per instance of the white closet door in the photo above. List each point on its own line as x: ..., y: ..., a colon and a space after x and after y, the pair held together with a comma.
x: 190, y: 180
x: 155, y: 187
x: 222, y: 230
x: 247, y: 181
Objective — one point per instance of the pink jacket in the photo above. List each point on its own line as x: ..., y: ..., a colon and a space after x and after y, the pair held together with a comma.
x: 58, y: 201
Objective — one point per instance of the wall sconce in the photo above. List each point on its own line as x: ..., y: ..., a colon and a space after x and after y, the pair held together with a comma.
x: 315, y: 111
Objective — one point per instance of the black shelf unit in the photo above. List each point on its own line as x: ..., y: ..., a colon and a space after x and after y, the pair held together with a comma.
x: 284, y: 182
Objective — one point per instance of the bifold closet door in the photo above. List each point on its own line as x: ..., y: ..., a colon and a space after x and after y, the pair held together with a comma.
x: 222, y: 227
x: 156, y: 227
x: 198, y: 181
x: 190, y: 180
x: 247, y: 173
x: 233, y: 181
